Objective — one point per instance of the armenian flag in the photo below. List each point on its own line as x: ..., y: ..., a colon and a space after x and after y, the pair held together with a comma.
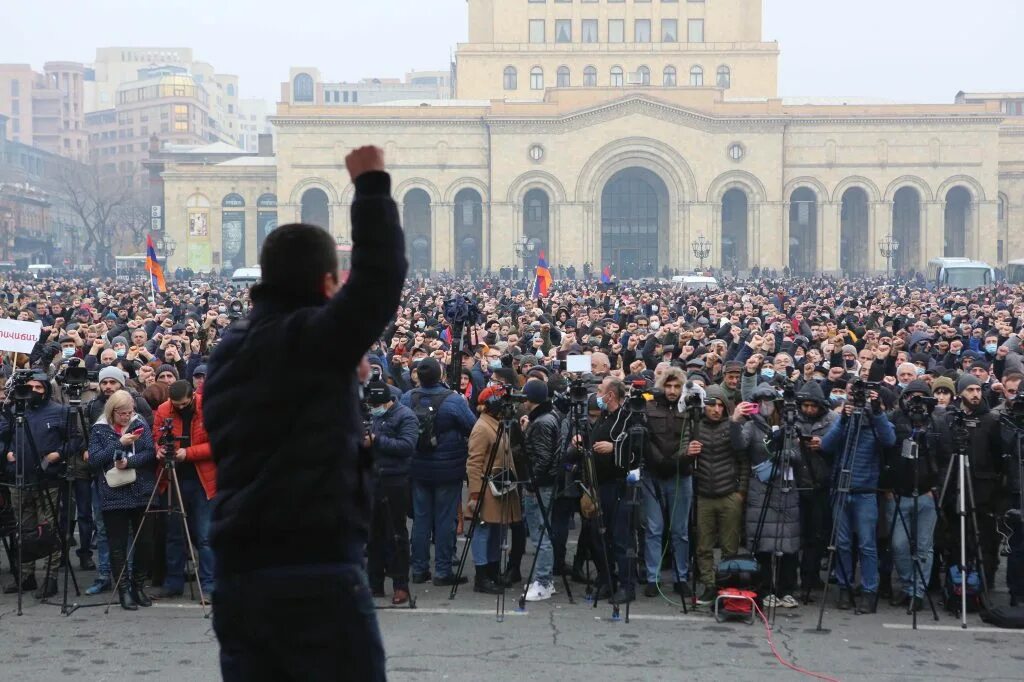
x: 543, y: 278
x: 606, y: 275
x: 153, y: 267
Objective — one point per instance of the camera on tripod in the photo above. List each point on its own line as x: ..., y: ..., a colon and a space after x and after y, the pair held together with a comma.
x: 636, y: 400
x: 461, y: 310
x: 1015, y: 408
x: 694, y: 396
x: 168, y: 442
x: 18, y: 389
x: 859, y: 391
x: 74, y: 378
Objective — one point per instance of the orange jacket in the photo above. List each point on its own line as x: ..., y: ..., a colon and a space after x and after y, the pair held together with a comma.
x: 199, y: 453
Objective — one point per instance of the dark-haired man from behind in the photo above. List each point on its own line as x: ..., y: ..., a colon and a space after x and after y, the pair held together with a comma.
x: 292, y: 513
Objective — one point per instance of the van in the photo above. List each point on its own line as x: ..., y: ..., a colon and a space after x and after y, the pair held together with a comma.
x: 247, y: 276
x: 695, y: 282
x: 40, y: 270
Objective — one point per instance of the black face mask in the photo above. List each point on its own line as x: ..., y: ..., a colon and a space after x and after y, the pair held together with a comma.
x: 37, y: 400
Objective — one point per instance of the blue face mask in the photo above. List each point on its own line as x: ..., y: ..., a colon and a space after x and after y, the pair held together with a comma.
x: 121, y: 352
x: 768, y: 372
x: 947, y: 318
x: 601, y: 403
x: 920, y: 371
x: 991, y: 348
x: 837, y: 399
x: 67, y: 352
x: 494, y: 364
x: 378, y: 411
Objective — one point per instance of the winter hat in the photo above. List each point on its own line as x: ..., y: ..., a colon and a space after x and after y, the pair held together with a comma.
x: 733, y: 367
x: 918, y: 386
x: 378, y: 393
x: 199, y: 371
x: 112, y: 372
x: 965, y: 382
x: 944, y: 382
x: 849, y: 349
x: 429, y: 372
x: 375, y: 361
x: 167, y: 368
x: 120, y: 340
x: 536, y: 391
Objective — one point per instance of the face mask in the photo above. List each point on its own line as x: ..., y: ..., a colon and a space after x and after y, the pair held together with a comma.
x: 494, y: 364
x: 768, y: 372
x: 67, y: 352
x: 837, y: 398
x: 920, y: 371
x: 601, y: 404
x: 421, y: 324
x: 539, y: 353
x: 121, y: 352
x: 903, y: 384
x: 37, y: 399
x: 378, y: 411
x: 221, y: 309
x: 655, y: 325
x: 991, y: 348
x: 947, y: 318
x: 850, y: 364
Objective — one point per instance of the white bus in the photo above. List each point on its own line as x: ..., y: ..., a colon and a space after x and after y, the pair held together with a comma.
x: 1015, y: 271
x: 960, y: 273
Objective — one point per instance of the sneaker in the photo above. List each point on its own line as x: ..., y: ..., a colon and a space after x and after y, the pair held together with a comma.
x: 651, y: 590
x: 789, y: 602
x: 709, y: 596
x: 485, y: 585
x: 682, y: 588
x: 99, y: 587
x: 916, y: 604
x: 539, y: 592
x: 27, y: 585
x: 770, y: 602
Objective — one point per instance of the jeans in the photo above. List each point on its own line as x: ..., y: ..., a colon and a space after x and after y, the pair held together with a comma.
x: 535, y: 523
x: 102, y: 546
x: 859, y: 517
x: 615, y: 513
x: 197, y: 508
x: 561, y: 511
x: 388, y: 551
x: 86, y: 525
x: 675, y: 496
x: 309, y: 623
x: 434, y: 507
x: 927, y: 515
x: 486, y: 544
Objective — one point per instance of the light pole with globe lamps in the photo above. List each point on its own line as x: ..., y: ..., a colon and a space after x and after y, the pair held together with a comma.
x: 888, y: 245
x: 701, y: 248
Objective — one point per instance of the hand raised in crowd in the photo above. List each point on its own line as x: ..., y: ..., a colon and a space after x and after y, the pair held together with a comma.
x: 364, y: 160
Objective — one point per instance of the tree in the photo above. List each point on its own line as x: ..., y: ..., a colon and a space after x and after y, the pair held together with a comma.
x: 100, y: 200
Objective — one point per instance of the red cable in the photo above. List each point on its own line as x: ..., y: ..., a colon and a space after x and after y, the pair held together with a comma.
x: 780, y: 659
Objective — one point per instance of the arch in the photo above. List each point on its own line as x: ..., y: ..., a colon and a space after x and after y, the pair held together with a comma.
x: 869, y: 187
x: 958, y: 220
x: 697, y: 76
x: 634, y: 222
x: 531, y: 179
x: 197, y: 200
x: 302, y: 185
x: 615, y: 77
x: 748, y: 182
x: 463, y: 183
x: 232, y: 232
x: 468, y: 230
x: 906, y: 227
x: 563, y: 77
x: 303, y: 88
x: 908, y: 181
x: 804, y: 200
x: 723, y: 77
x: 418, y: 183
x: 510, y: 78
x: 233, y: 200
x: 590, y: 77
x: 661, y: 158
x: 417, y: 221
x: 734, y: 206
x: 854, y: 245
x: 536, y: 224
x: 969, y: 183
x: 669, y: 77
x: 316, y: 208
x: 813, y: 184
x: 645, y: 75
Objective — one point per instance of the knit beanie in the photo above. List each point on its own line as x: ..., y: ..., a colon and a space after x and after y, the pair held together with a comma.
x: 112, y: 372
x: 965, y: 382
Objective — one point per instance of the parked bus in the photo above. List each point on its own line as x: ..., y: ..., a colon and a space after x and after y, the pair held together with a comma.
x: 960, y: 273
x: 1015, y: 271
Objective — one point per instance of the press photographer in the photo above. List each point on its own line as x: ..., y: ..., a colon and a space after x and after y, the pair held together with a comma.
x: 1011, y: 415
x: 543, y: 449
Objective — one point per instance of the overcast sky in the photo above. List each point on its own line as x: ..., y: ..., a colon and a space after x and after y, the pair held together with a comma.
x: 906, y: 50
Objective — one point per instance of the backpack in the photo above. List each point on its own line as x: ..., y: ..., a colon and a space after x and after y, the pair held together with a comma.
x: 1009, y: 617
x: 426, y: 415
x: 954, y: 589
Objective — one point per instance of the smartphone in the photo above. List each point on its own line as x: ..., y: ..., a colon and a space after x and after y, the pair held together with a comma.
x: 756, y: 410
x: 138, y: 432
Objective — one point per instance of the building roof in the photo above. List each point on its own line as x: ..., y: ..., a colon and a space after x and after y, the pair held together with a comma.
x: 250, y: 161
x: 991, y: 95
x: 203, y: 149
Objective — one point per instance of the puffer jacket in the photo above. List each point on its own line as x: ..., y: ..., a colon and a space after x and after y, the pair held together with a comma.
x: 50, y: 425
x: 105, y: 446
x: 394, y: 443
x: 453, y: 423
x: 543, y: 445
x: 720, y: 469
x: 876, y: 433
x: 665, y: 426
x: 816, y: 472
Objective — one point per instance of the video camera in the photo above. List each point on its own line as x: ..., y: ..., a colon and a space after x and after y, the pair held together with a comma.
x: 18, y: 389
x: 461, y: 310
x: 636, y: 401
x: 694, y: 396
x: 74, y: 378
x: 859, y: 392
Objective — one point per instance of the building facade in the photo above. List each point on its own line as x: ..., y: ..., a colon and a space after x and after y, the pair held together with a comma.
x: 619, y: 133
x: 47, y: 109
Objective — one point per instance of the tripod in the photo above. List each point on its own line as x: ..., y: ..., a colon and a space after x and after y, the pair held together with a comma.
x: 965, y: 503
x: 170, y: 474
x: 545, y: 528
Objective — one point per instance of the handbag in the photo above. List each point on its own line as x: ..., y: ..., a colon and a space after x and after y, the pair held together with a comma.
x: 37, y: 542
x: 117, y: 478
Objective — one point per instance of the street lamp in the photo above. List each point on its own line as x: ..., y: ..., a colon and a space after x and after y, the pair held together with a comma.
x: 701, y: 248
x: 888, y: 245
x: 523, y: 247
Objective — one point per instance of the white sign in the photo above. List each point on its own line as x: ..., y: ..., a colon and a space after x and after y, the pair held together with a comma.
x: 19, y: 337
x: 578, y: 363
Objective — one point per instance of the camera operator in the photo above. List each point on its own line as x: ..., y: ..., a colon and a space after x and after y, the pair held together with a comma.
x: 304, y: 490
x: 392, y: 436
x: 121, y: 448
x: 911, y: 465
x: 51, y: 440
x: 197, y: 477
x: 860, y: 513
x: 985, y: 450
x: 669, y: 485
x: 542, y: 427
x: 1012, y: 409
x: 496, y: 513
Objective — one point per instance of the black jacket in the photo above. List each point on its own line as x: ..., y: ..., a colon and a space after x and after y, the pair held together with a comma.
x: 898, y: 471
x: 290, y: 471
x: 395, y: 435
x: 665, y: 424
x: 542, y: 445
x: 985, y: 450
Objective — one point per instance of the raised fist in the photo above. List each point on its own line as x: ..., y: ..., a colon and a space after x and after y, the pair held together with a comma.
x: 364, y: 160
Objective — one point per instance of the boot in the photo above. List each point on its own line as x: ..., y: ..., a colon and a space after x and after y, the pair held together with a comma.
x: 845, y: 600
x: 579, y: 568
x: 124, y: 593
x: 47, y: 588
x: 512, y: 575
x: 139, y: 593
x: 27, y: 585
x: 485, y: 582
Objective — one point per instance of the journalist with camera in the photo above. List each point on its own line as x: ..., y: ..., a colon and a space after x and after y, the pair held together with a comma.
x: 391, y: 436
x: 40, y: 454
x: 1011, y: 415
x: 542, y: 445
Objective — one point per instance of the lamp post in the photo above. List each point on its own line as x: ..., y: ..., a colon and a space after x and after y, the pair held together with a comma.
x: 701, y: 248
x: 888, y: 245
x: 523, y: 247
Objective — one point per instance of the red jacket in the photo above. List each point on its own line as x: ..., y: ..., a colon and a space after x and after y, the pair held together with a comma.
x: 200, y: 454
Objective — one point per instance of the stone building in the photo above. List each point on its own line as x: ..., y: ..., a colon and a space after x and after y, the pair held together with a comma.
x: 616, y: 134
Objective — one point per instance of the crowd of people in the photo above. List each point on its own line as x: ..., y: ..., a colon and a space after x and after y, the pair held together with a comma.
x: 772, y: 410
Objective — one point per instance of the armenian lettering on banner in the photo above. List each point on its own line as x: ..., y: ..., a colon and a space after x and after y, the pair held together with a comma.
x: 19, y: 337
x: 232, y: 233
x: 266, y: 218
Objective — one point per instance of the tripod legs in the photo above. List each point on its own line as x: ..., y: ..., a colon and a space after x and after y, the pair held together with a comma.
x: 912, y: 564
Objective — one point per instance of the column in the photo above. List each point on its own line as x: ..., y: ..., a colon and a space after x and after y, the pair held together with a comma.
x: 773, y: 226
x: 442, y: 225
x: 783, y: 222
x: 881, y: 224
x: 920, y: 258
x: 985, y: 225
x: 829, y: 236
x: 934, y: 230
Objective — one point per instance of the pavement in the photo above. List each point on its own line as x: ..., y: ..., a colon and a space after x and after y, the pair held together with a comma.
x: 461, y: 639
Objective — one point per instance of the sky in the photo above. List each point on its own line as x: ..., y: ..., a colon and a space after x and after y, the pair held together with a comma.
x: 900, y: 50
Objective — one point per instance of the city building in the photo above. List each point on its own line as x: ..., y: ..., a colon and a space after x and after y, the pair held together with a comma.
x: 253, y: 121
x: 620, y: 134
x: 311, y: 90
x: 46, y: 109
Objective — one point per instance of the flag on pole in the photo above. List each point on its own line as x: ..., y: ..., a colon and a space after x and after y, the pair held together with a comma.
x: 606, y: 275
x: 543, y: 278
x: 153, y: 267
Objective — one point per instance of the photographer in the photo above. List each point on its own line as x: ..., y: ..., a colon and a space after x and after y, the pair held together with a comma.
x: 541, y: 427
x: 44, y: 452
x: 669, y: 485
x: 121, y: 449
x: 860, y: 513
x: 197, y: 477
x: 1012, y: 410
x: 911, y: 467
x: 813, y: 421
x: 497, y: 513
x: 392, y: 438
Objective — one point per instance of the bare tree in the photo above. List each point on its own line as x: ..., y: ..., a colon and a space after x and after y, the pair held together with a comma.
x: 99, y: 200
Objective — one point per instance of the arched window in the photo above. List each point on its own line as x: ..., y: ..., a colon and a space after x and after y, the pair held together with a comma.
x: 511, y: 80
x: 616, y: 77
x: 563, y: 77
x: 668, y: 77
x: 724, y: 79
x: 303, y: 88
x: 536, y: 78
x: 590, y: 77
x: 696, y: 76
x: 645, y: 75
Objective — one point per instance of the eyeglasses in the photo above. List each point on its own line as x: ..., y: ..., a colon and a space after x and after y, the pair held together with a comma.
x: 124, y: 413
